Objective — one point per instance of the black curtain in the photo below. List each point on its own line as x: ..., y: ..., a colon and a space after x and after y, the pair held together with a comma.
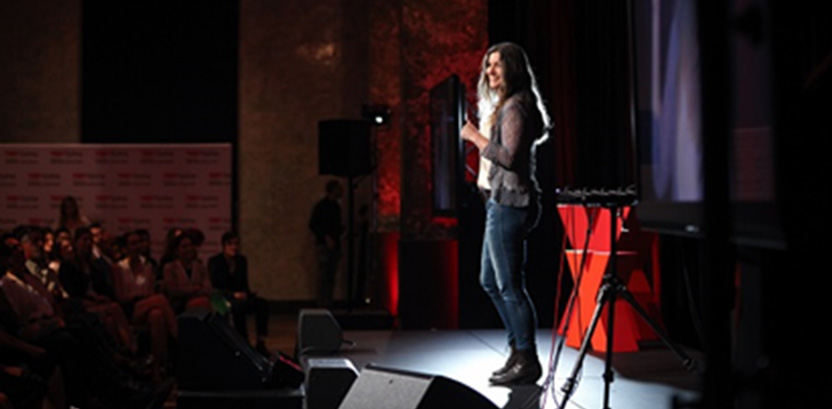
x: 159, y: 71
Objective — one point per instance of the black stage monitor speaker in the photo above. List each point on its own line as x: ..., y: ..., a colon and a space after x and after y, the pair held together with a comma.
x: 344, y: 147
x: 282, y: 398
x: 211, y: 355
x: 327, y: 381
x: 318, y: 332
x: 386, y: 388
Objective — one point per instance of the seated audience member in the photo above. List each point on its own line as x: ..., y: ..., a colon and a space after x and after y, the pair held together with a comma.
x: 48, y: 240
x: 117, y: 248
x: 146, y: 250
x: 169, y: 253
x: 186, y: 279
x: 90, y: 378
x: 72, y: 310
x: 197, y: 236
x: 32, y: 240
x: 229, y: 275
x: 62, y: 234
x: 88, y: 281
x: 86, y: 276
x: 103, y: 244
x: 27, y: 376
x: 134, y: 282
x: 63, y: 250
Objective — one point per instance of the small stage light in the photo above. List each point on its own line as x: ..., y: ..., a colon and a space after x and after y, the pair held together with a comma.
x: 379, y: 114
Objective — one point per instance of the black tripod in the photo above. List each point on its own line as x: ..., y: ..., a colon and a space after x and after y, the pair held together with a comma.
x: 612, y: 287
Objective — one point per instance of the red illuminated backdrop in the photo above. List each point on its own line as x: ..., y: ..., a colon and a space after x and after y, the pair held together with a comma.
x: 439, y: 39
x: 385, y: 88
x: 413, y: 46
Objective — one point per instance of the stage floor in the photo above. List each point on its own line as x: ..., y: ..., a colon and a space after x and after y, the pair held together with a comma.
x: 650, y: 378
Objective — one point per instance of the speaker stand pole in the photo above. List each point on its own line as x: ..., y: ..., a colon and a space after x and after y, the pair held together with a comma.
x: 350, y: 241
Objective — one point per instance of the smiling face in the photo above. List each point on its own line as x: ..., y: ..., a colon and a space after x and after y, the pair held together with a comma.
x: 494, y: 71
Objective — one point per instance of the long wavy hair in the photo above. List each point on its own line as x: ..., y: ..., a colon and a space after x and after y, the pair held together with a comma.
x: 517, y: 77
x: 64, y: 216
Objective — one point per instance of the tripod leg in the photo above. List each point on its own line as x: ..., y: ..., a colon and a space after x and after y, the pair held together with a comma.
x: 608, y: 373
x: 569, y: 386
x: 689, y: 362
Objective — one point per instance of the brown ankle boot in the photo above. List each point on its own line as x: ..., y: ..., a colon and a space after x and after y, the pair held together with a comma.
x: 512, y: 358
x: 526, y: 370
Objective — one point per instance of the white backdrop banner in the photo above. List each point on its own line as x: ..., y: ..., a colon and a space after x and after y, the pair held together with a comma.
x: 124, y: 187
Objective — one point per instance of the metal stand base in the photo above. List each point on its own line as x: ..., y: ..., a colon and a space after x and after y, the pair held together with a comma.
x: 611, y: 287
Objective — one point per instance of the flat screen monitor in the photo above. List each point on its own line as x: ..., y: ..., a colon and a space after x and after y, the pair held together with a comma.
x: 447, y: 115
x: 668, y: 125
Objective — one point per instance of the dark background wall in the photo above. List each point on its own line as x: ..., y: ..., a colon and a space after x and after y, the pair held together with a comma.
x: 159, y: 72
x: 299, y: 62
x: 41, y: 70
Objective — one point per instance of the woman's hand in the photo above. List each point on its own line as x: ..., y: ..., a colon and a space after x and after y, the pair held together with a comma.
x: 471, y: 134
x: 469, y: 131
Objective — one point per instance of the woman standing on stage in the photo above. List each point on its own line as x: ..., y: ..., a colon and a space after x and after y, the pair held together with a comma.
x: 513, y: 122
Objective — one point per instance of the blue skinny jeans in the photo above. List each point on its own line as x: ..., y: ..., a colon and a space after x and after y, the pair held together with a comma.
x: 502, y: 273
